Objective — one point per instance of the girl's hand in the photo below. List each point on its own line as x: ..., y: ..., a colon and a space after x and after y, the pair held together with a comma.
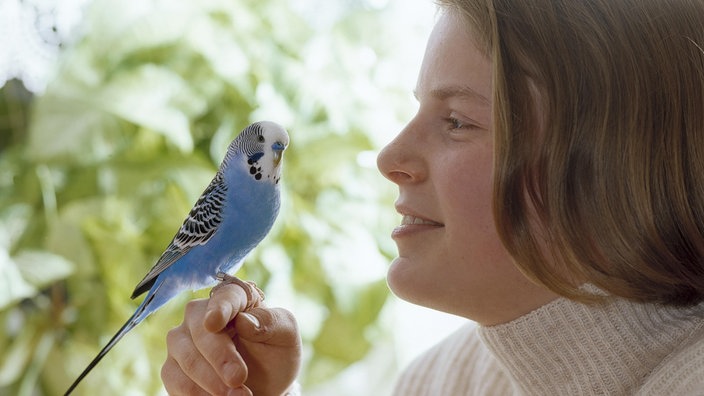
x: 220, y: 349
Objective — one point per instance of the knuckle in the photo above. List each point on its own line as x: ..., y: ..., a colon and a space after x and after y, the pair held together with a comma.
x: 188, y: 361
x: 175, y: 382
x: 287, y: 316
x: 191, y: 307
x: 173, y: 336
x: 286, y: 319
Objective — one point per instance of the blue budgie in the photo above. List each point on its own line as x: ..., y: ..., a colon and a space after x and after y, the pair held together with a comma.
x: 234, y: 213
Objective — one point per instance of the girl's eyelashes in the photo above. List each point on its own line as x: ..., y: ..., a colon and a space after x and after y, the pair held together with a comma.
x: 456, y: 123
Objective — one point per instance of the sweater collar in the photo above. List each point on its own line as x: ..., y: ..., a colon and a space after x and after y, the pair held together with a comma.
x: 565, y: 347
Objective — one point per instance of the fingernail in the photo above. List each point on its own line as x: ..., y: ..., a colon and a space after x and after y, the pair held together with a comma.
x: 251, y: 318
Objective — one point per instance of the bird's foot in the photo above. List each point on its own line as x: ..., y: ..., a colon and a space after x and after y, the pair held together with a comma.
x: 249, y: 288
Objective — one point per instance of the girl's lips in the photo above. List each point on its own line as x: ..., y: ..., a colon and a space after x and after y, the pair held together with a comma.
x: 412, y: 224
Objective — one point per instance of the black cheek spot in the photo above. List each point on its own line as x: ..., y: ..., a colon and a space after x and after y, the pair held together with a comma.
x: 250, y: 162
x: 252, y: 170
x: 258, y: 176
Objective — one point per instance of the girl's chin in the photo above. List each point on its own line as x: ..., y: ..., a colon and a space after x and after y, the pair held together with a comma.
x: 407, y: 280
x: 399, y: 278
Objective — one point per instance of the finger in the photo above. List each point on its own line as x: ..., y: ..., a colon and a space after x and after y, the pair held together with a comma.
x: 273, y: 326
x: 177, y: 383
x: 220, y: 356
x: 267, y: 338
x: 224, y: 304
x: 195, y: 311
x: 187, y: 367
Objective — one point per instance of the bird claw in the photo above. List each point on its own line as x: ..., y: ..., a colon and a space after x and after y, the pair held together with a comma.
x: 247, y: 286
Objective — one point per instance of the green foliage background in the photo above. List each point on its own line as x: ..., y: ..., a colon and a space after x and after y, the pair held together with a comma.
x: 129, y: 133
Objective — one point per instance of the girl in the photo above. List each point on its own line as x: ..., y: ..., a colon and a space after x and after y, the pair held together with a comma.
x: 551, y: 188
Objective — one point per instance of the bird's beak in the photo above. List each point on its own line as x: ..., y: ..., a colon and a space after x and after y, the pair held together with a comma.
x: 278, y: 148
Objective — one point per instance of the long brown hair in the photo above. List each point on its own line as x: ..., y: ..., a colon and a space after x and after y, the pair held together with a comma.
x: 599, y: 141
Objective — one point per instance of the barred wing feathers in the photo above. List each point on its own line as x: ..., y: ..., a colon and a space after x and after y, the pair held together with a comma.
x: 197, y: 229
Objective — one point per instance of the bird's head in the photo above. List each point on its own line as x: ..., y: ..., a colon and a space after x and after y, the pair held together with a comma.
x: 262, y: 146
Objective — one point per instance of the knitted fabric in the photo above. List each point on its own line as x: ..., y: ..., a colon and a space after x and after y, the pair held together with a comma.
x: 568, y: 348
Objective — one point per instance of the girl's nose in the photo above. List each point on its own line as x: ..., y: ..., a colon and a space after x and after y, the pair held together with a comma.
x: 401, y: 161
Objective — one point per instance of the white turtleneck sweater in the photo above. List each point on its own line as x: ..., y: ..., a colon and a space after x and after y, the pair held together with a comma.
x: 568, y: 348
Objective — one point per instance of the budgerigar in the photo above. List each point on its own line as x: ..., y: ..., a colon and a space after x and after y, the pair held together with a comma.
x: 231, y: 217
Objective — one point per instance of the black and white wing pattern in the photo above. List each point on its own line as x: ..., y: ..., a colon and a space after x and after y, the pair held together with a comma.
x: 197, y: 229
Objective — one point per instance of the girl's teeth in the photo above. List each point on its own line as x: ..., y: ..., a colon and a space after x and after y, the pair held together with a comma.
x: 408, y: 220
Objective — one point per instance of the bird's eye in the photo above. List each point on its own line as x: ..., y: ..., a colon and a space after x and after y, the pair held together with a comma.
x: 261, y: 139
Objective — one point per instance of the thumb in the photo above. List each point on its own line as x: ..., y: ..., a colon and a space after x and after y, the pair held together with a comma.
x: 274, y: 326
x: 226, y: 300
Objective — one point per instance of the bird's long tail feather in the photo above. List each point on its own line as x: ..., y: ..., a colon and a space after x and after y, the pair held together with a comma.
x: 139, y: 315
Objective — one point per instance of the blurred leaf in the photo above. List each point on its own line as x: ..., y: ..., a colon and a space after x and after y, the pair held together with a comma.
x: 342, y: 338
x: 150, y: 96
x: 13, y: 287
x: 40, y: 268
x: 16, y: 358
x: 75, y: 120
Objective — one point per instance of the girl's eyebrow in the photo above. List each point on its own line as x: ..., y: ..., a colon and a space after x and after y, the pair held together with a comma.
x: 456, y: 91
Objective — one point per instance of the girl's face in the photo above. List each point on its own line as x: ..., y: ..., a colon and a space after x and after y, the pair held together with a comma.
x: 450, y: 256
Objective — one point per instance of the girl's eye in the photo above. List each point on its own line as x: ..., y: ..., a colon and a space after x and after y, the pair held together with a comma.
x: 455, y: 123
x: 459, y: 123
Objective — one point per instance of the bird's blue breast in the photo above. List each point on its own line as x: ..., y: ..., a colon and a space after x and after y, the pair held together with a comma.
x: 247, y: 216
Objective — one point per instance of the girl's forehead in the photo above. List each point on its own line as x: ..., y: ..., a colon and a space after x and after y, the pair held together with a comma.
x: 453, y: 66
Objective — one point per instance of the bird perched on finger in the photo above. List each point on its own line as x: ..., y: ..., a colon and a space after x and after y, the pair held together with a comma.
x: 231, y: 217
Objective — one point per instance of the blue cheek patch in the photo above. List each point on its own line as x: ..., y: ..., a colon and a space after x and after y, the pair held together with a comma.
x: 254, y: 158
